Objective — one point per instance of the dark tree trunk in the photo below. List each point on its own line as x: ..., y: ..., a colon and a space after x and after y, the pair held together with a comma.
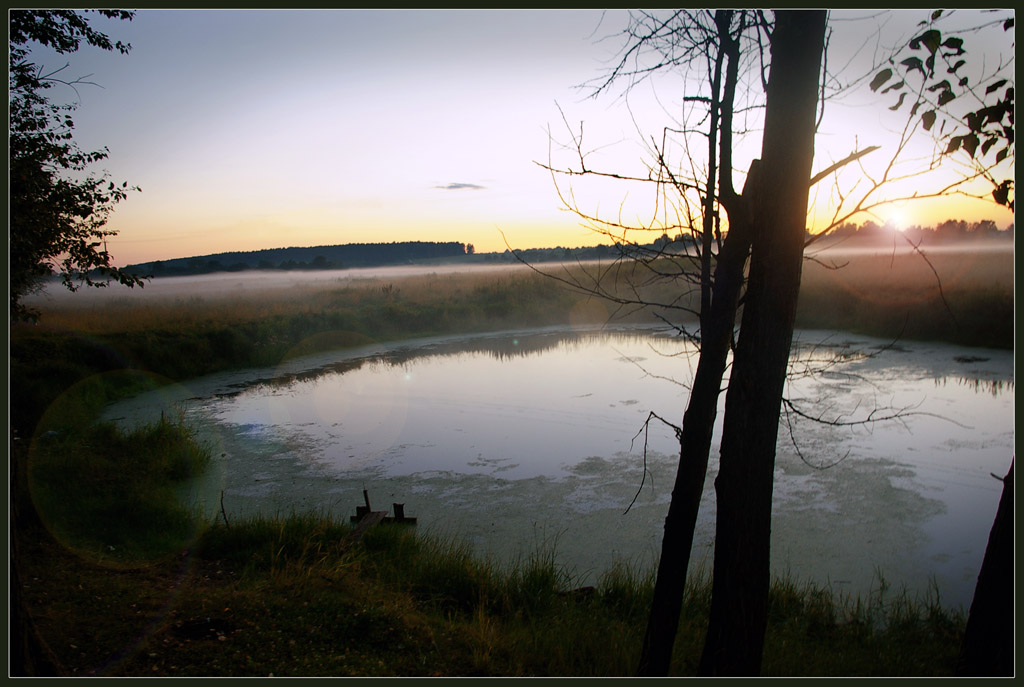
x: 695, y: 446
x: 739, y: 605
x: 987, y: 648
x: 719, y: 297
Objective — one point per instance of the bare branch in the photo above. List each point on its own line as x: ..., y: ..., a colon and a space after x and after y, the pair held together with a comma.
x: 644, y: 429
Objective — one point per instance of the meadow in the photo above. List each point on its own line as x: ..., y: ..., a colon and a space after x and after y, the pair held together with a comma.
x: 121, y: 578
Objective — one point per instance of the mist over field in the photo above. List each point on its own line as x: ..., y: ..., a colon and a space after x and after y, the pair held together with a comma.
x: 222, y: 285
x: 997, y: 259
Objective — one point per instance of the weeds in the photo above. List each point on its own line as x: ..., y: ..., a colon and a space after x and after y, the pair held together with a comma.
x: 113, y: 495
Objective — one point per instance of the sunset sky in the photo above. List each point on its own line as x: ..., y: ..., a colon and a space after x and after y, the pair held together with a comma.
x: 264, y: 129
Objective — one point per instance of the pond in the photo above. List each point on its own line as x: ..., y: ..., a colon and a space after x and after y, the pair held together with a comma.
x: 535, y: 441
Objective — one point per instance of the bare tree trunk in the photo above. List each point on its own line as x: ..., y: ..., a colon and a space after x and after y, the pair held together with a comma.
x: 719, y: 298
x: 988, y: 642
x: 695, y: 446
x: 739, y: 605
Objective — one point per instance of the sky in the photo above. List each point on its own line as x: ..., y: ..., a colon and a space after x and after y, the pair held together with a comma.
x: 263, y: 129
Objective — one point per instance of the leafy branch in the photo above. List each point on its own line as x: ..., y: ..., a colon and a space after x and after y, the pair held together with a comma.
x: 932, y: 74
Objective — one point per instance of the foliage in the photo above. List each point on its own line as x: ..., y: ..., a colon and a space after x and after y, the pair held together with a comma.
x: 933, y: 90
x: 58, y: 209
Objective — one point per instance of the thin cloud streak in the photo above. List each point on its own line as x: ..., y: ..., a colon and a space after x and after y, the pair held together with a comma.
x: 457, y: 186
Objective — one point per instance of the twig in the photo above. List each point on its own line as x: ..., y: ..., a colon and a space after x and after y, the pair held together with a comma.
x: 223, y: 514
x: 644, y: 429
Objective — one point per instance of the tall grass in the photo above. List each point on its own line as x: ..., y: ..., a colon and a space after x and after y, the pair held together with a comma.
x: 961, y: 298
x: 528, y: 618
x: 114, y: 494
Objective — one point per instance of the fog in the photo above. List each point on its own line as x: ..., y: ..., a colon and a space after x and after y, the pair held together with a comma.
x: 227, y: 285
x: 901, y: 247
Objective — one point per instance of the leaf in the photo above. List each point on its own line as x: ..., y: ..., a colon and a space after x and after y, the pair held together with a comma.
x: 997, y: 85
x: 952, y: 70
x: 954, y: 43
x: 912, y: 63
x: 1008, y: 24
x: 962, y: 82
x: 1002, y: 193
x: 894, y: 87
x: 936, y: 14
x: 954, y: 144
x: 928, y: 119
x: 970, y: 143
x: 942, y: 84
x: 913, y: 110
x: 931, y: 39
x: 899, y: 102
x: 880, y: 78
x: 987, y: 145
x: 992, y: 114
x: 1001, y: 155
x: 945, y: 97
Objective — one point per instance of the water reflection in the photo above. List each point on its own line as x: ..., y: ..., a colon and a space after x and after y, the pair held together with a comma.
x: 520, y: 437
x: 995, y: 387
x: 500, y: 347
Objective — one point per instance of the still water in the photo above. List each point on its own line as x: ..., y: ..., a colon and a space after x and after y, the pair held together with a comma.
x: 526, y: 441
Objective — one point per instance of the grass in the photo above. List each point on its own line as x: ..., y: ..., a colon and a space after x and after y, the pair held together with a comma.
x: 294, y: 597
x: 970, y: 303
x: 122, y: 579
x: 108, y: 493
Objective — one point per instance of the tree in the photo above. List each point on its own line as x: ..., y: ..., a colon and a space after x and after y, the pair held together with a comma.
x: 58, y: 208
x: 986, y: 137
x: 719, y: 297
x: 988, y: 643
x: 56, y: 217
x: 719, y: 277
x: 765, y: 222
x: 938, y: 91
x: 739, y: 603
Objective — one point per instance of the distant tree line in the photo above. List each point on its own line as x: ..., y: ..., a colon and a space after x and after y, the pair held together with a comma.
x: 306, y: 258
x: 663, y: 244
x: 400, y: 253
x: 950, y: 231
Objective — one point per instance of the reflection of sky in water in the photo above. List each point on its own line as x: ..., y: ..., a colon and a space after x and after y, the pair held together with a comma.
x: 534, y: 414
x: 516, y: 440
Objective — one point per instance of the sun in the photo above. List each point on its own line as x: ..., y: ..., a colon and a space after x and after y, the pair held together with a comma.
x: 898, y: 220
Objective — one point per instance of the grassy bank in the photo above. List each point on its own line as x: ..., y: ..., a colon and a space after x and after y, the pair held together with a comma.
x: 295, y: 597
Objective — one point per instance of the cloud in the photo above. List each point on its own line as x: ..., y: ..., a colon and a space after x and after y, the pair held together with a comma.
x: 456, y: 186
